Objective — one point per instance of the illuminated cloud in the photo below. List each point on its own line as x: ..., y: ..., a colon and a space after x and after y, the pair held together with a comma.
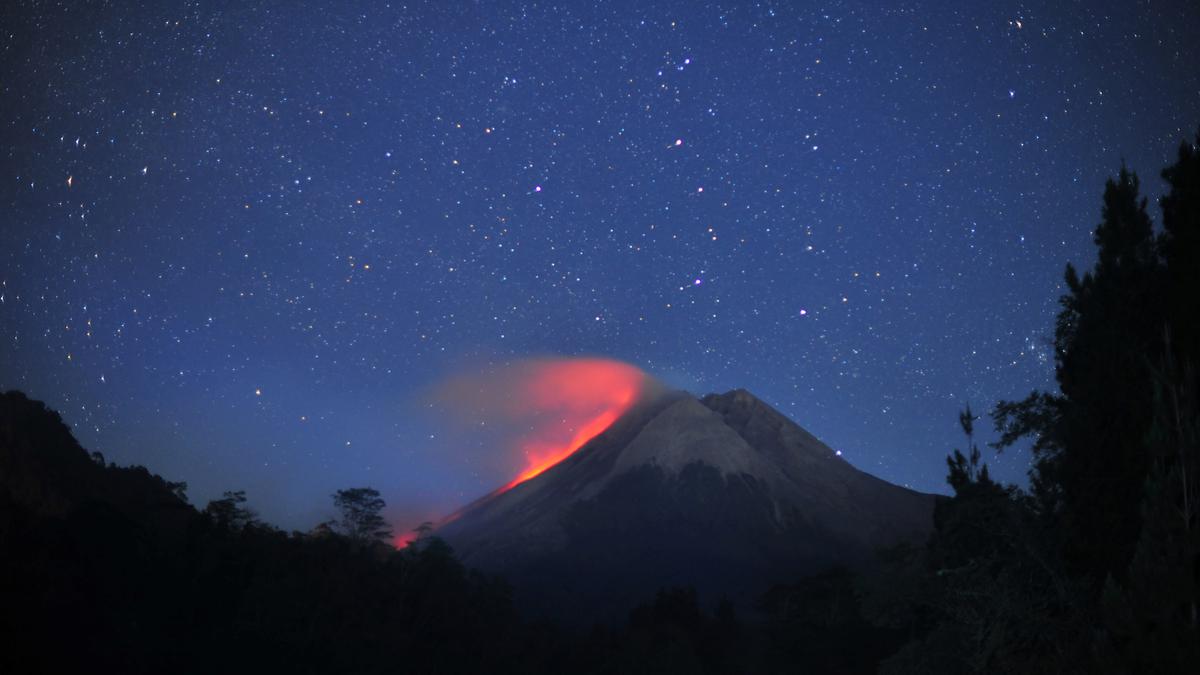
x: 547, y: 408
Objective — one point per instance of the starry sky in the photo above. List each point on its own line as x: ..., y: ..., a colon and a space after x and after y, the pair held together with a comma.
x: 241, y: 240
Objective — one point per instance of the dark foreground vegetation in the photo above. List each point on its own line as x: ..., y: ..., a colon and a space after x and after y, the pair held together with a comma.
x: 1094, y: 569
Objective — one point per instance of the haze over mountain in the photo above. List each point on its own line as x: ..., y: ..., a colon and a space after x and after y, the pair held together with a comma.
x: 722, y: 493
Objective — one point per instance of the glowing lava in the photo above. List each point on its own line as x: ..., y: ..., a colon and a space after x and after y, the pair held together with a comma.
x: 543, y: 457
x: 547, y: 408
x: 583, y: 397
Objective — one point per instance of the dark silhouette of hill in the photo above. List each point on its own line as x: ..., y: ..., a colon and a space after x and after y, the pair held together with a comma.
x: 108, y: 569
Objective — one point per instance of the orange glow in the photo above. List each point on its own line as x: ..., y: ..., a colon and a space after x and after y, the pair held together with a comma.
x: 537, y: 412
x: 542, y: 458
x: 583, y: 397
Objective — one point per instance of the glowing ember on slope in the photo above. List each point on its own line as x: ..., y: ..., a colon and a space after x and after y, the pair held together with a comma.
x: 404, y: 539
x: 588, y: 395
x: 541, y: 457
x: 551, y: 407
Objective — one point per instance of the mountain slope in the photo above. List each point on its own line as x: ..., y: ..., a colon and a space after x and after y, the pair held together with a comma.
x: 722, y: 493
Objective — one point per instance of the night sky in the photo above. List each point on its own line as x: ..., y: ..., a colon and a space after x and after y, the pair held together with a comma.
x: 242, y: 241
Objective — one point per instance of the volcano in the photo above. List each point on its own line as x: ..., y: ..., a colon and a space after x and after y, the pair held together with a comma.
x: 721, y: 493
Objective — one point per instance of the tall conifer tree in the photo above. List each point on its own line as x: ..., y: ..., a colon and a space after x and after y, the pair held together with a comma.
x: 1091, y: 463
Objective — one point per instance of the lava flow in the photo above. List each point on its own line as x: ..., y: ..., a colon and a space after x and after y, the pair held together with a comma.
x: 585, y: 396
x: 539, y: 411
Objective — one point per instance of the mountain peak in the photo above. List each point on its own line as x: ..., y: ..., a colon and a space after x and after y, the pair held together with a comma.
x: 765, y: 427
x: 688, y: 432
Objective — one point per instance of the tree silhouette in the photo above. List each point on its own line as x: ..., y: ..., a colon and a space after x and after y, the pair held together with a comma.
x: 178, y: 488
x: 360, y: 515
x: 228, y: 513
x: 1154, y: 617
x: 1180, y: 248
x: 1090, y: 464
x: 965, y: 470
x: 990, y: 597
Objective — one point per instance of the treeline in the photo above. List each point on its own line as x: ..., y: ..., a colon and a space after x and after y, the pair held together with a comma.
x: 108, y: 569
